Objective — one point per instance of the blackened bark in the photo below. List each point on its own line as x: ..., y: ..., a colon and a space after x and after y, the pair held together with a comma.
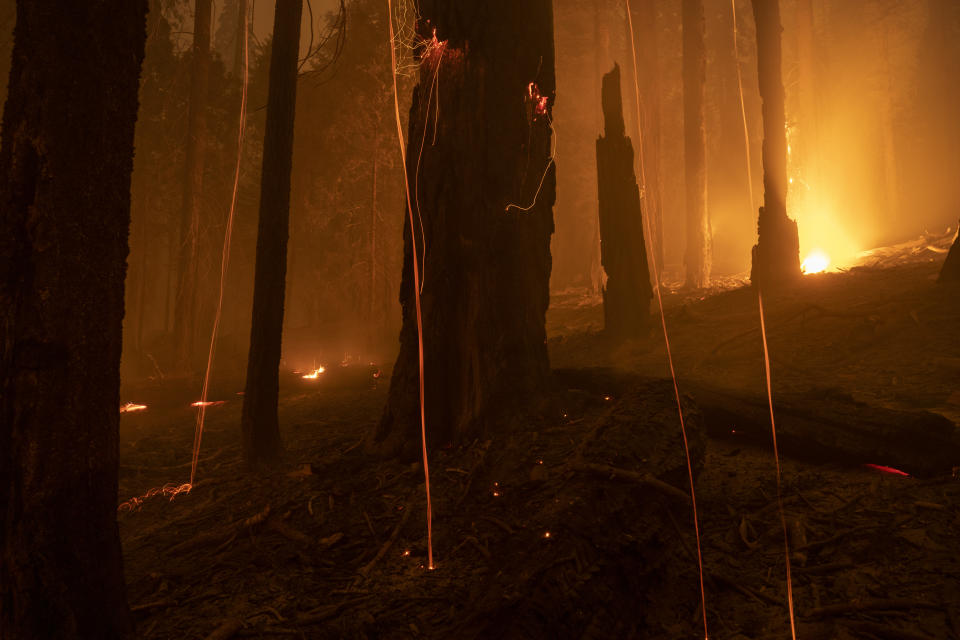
x: 950, y: 272
x: 776, y: 256
x: 260, y: 426
x: 698, y: 254
x: 188, y: 258
x: 65, y: 166
x: 487, y: 266
x: 627, y: 296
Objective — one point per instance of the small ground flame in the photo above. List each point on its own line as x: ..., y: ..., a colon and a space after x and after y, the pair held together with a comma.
x: 207, y: 403
x: 313, y: 375
x: 816, y: 262
x: 131, y: 407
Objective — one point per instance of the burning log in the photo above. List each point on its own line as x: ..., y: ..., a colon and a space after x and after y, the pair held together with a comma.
x: 627, y: 295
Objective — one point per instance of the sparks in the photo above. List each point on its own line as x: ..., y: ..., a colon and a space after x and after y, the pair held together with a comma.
x: 816, y: 262
x: 207, y: 403
x: 313, y: 375
x: 889, y: 470
x: 131, y: 407
x: 169, y: 491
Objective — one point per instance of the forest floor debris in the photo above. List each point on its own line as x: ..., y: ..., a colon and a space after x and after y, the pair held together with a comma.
x: 333, y: 544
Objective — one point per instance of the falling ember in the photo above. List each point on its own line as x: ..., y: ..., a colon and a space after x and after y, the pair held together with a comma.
x: 816, y: 262
x: 890, y: 470
x: 207, y: 403
x: 132, y: 407
x: 313, y: 375
x: 546, y: 534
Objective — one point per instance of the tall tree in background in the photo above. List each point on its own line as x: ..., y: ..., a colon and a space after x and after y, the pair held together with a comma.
x: 67, y: 154
x: 188, y: 261
x: 776, y: 256
x: 486, y: 264
x: 260, y: 425
x: 698, y: 252
x: 951, y: 268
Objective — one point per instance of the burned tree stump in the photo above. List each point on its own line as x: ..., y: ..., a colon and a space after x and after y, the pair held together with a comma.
x: 950, y: 272
x: 776, y: 256
x: 482, y: 188
x: 627, y: 294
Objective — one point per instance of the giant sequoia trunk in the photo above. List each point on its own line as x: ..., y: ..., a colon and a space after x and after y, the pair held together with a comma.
x: 698, y: 256
x: 261, y: 431
x: 65, y: 165
x: 188, y: 258
x: 776, y: 256
x: 627, y: 296
x: 484, y: 191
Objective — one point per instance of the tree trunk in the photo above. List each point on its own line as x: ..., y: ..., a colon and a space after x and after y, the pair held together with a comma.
x: 950, y: 272
x: 627, y: 295
x: 698, y: 256
x: 485, y: 192
x: 65, y: 167
x: 261, y: 431
x: 776, y: 256
x: 188, y: 260
x: 650, y: 85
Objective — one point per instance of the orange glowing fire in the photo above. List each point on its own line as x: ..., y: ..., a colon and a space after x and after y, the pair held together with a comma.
x: 207, y: 403
x: 313, y: 375
x: 816, y: 262
x: 131, y: 407
x: 169, y: 491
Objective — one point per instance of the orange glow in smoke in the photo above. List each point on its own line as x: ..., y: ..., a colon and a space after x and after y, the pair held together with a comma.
x: 816, y: 262
x: 313, y: 375
x: 131, y: 407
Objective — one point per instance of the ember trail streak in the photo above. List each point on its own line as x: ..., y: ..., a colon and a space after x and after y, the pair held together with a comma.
x: 663, y: 324
x: 416, y: 283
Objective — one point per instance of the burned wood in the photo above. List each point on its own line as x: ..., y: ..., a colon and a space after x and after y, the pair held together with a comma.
x: 364, y: 571
x: 643, y: 479
x: 627, y: 295
x: 829, y: 426
x: 866, y: 606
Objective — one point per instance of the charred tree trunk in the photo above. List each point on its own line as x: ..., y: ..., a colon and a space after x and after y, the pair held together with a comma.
x: 485, y: 192
x: 627, y: 296
x: 776, y: 256
x: 65, y: 166
x: 698, y: 256
x: 261, y: 431
x: 950, y: 272
x: 188, y: 257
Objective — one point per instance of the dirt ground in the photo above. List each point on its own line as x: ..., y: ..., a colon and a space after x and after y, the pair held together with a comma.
x: 333, y: 544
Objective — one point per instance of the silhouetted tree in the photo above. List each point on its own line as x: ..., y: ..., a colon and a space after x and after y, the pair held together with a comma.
x: 695, y: 143
x: 486, y: 264
x: 776, y: 256
x: 951, y: 267
x: 260, y: 427
x: 188, y: 262
x: 67, y: 154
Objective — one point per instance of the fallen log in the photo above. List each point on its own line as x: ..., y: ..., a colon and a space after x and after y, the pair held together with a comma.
x: 829, y: 426
x: 824, y: 425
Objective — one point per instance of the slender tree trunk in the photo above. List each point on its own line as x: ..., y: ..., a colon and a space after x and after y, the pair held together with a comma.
x: 261, y: 431
x: 145, y: 245
x: 776, y: 256
x: 65, y: 166
x: 650, y: 86
x: 487, y: 268
x: 698, y: 256
x: 627, y: 295
x: 188, y: 261
x: 809, y: 112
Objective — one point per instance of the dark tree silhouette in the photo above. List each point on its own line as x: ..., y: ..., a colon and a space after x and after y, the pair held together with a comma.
x: 698, y: 256
x: 260, y: 427
x: 487, y: 264
x: 950, y: 272
x: 65, y: 164
x: 627, y: 295
x: 188, y: 260
x: 776, y: 256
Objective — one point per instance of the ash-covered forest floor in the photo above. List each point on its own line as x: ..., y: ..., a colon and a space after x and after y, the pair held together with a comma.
x: 333, y: 544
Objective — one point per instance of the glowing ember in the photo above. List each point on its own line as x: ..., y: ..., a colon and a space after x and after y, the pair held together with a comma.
x: 816, y: 262
x: 883, y: 469
x: 313, y: 375
x: 131, y: 407
x: 169, y: 491
x: 207, y: 403
x: 546, y: 534
x: 406, y: 554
